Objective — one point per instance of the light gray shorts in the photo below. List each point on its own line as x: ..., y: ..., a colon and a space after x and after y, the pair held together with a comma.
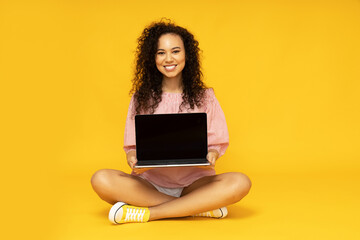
x: 175, y: 192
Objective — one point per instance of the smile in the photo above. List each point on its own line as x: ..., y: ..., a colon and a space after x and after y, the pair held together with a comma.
x: 170, y: 67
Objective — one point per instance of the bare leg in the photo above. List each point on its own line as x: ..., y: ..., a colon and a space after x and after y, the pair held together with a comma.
x: 205, y: 194
x: 113, y: 186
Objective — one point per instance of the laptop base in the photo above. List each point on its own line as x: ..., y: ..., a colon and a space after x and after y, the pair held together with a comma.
x: 171, y: 165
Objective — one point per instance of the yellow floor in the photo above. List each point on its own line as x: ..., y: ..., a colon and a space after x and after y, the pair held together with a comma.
x: 279, y: 206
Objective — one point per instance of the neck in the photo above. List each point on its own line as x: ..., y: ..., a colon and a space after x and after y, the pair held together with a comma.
x: 172, y: 85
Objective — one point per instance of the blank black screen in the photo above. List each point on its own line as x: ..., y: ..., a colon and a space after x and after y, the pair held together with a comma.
x: 171, y: 136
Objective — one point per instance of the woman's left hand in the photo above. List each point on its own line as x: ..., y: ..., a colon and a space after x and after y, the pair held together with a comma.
x: 212, y: 156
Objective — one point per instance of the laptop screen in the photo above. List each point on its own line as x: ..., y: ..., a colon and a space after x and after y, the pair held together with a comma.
x: 171, y: 136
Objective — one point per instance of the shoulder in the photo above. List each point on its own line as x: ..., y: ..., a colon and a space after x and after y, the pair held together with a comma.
x: 209, y: 95
x: 209, y: 91
x: 208, y: 99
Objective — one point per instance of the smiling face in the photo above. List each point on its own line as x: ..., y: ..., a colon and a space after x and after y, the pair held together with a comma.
x: 170, y: 56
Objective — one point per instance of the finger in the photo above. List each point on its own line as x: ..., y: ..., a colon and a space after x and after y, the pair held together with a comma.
x: 210, y: 159
x: 131, y: 164
x: 133, y: 161
x: 213, y: 161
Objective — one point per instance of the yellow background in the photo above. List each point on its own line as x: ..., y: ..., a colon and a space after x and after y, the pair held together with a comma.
x: 286, y: 74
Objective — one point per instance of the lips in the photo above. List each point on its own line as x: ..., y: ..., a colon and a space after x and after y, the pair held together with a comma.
x: 170, y: 67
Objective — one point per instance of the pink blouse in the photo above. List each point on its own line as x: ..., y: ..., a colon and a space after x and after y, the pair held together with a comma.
x: 218, y: 139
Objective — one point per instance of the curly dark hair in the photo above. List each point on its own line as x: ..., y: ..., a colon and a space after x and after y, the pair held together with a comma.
x: 147, y: 83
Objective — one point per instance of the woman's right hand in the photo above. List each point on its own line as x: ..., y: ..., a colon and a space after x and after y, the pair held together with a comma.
x: 131, y: 158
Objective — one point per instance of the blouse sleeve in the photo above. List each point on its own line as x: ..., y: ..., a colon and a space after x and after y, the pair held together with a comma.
x: 129, y: 135
x: 218, y: 136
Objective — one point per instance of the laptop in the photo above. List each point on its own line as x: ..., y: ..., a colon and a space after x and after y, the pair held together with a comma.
x: 171, y: 140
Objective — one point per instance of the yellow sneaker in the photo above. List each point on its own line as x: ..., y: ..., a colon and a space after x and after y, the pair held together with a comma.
x: 217, y: 213
x: 124, y: 213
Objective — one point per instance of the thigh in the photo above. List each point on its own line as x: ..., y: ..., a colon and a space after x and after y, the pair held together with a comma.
x: 112, y: 177
x: 199, y: 183
x: 114, y: 185
x: 233, y: 179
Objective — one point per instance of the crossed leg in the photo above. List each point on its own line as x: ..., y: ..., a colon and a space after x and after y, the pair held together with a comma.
x: 116, y: 186
x: 203, y: 195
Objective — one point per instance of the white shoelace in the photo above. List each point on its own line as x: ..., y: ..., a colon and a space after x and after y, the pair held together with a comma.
x: 134, y: 214
x: 205, y: 214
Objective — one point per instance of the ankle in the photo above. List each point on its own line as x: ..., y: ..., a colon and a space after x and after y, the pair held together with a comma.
x: 153, y: 214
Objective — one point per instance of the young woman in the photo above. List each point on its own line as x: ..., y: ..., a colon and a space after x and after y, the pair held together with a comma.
x: 168, y: 79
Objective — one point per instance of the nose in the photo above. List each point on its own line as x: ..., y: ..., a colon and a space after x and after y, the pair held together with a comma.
x: 168, y: 57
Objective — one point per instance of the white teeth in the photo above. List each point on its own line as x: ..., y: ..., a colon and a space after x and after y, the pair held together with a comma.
x: 170, y: 67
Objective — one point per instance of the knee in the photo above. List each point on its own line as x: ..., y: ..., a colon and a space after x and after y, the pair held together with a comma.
x: 239, y: 184
x: 101, y: 179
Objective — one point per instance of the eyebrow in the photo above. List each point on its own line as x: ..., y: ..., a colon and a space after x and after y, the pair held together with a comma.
x: 171, y: 49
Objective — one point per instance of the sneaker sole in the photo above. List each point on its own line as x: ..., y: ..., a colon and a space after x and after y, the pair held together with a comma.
x: 114, y: 209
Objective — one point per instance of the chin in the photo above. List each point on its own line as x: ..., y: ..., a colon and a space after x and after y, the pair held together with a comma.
x: 171, y: 75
